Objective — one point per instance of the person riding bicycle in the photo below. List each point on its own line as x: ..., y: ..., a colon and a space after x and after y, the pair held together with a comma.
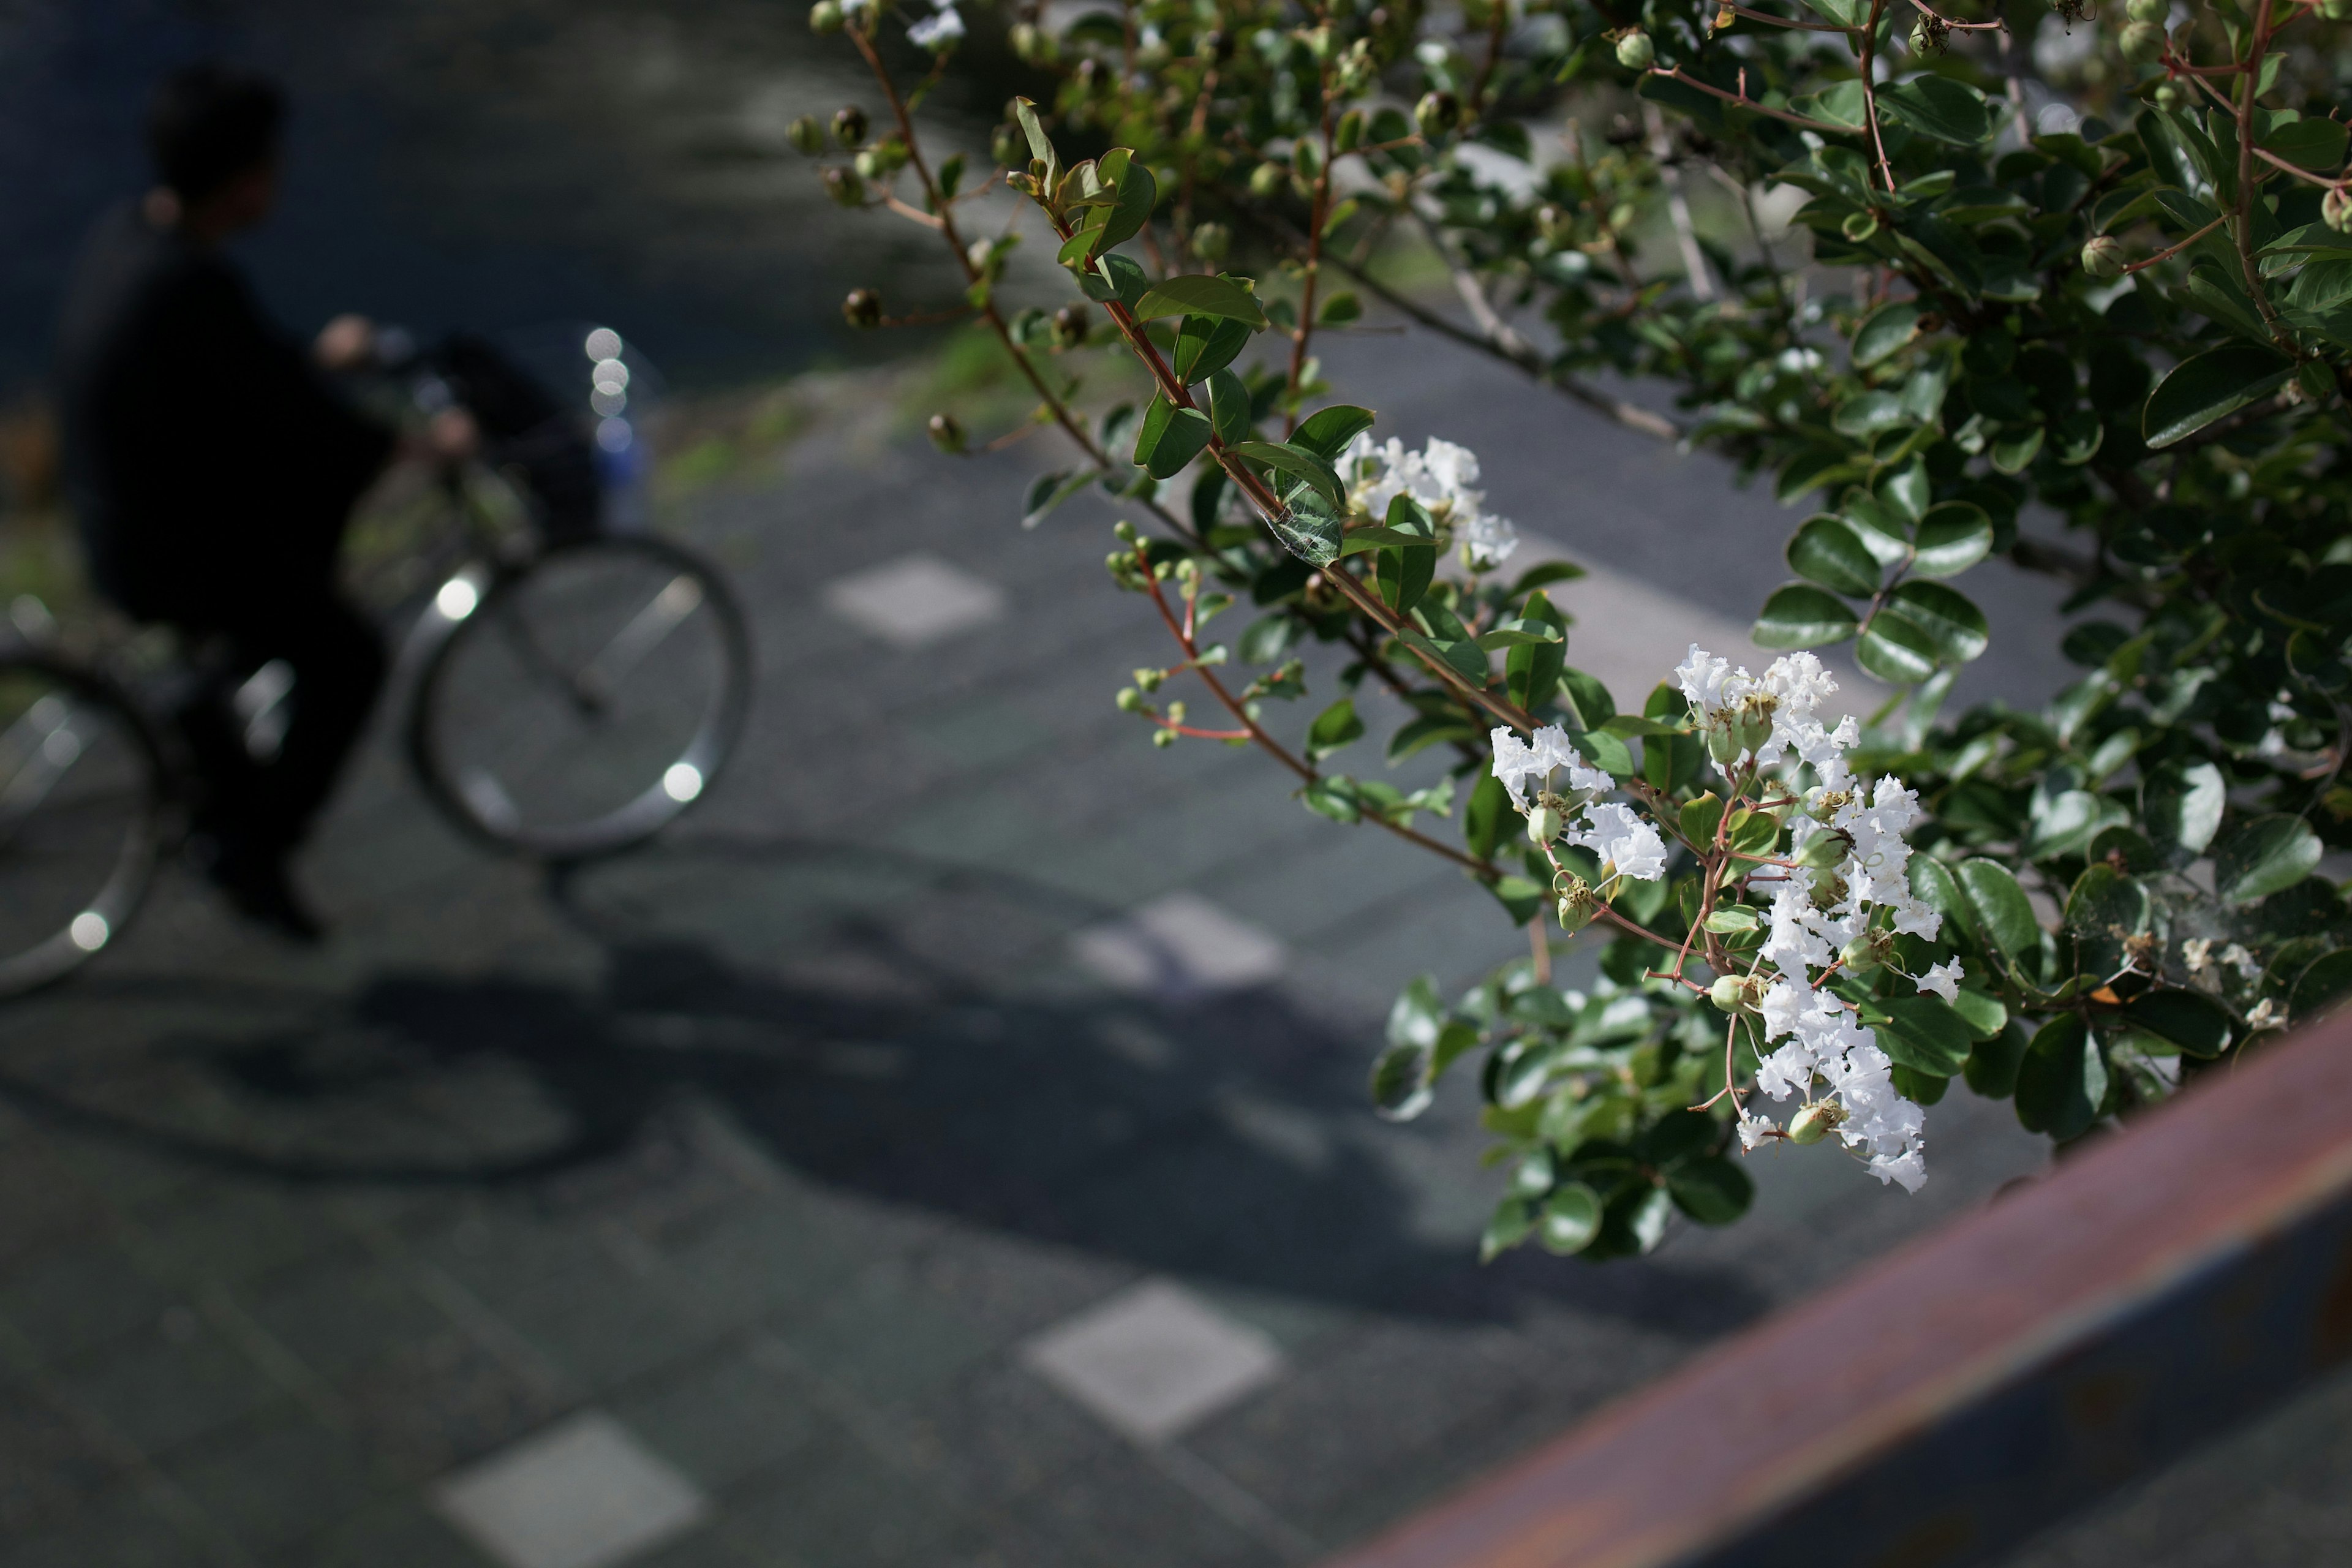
x: 212, y: 468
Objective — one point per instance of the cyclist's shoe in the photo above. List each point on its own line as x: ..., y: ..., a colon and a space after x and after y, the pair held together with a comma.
x: 258, y: 884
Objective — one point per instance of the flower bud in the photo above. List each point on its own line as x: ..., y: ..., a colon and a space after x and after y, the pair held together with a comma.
x: 2104, y: 256
x: 1211, y: 241
x: 1924, y: 40
x: 845, y: 187
x: 1823, y: 851
x: 1815, y: 1121
x: 2143, y: 41
x: 2336, y: 206
x: 862, y: 309
x: 1070, y: 325
x: 1723, y: 744
x: 1032, y: 45
x: 2167, y: 94
x: 1163, y: 738
x: 849, y: 126
x: 868, y: 163
x: 946, y: 434
x: 1577, y: 902
x: 1866, y: 952
x: 805, y: 136
x: 1436, y: 113
x: 1733, y: 993
x: 2149, y: 10
x: 1307, y: 157
x: 1125, y: 531
x: 1635, y: 52
x: 2336, y: 10
x: 1350, y: 134
x: 1544, y: 825
x: 1267, y: 179
x: 824, y: 16
x: 1858, y: 226
x: 1129, y: 700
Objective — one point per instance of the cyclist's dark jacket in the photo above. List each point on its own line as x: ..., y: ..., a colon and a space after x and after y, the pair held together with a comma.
x: 211, y: 465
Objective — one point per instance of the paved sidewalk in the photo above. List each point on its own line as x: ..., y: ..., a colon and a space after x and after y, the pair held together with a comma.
x: 949, y: 1147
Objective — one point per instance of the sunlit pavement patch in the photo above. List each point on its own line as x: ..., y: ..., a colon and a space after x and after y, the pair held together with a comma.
x: 585, y: 1493
x: 1179, y: 947
x: 914, y: 601
x: 1153, y: 1361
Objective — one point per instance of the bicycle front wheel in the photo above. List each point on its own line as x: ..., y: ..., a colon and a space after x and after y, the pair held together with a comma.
x: 84, y: 812
x: 580, y: 706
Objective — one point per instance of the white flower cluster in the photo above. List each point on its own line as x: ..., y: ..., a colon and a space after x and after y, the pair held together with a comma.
x: 1742, y: 716
x: 1626, y: 846
x: 1814, y: 916
x: 1440, y: 476
x: 942, y: 27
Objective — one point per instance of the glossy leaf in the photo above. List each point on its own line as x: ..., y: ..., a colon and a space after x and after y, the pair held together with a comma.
x: 2181, y: 803
x: 1940, y: 107
x: 1884, y: 332
x: 1825, y: 551
x: 2061, y: 1081
x: 1952, y: 538
x: 1924, y: 1034
x: 1999, y: 908
x: 2264, y: 856
x: 1326, y: 431
x: 1895, y: 651
x: 1712, y: 1191
x: 1205, y: 345
x: 2210, y: 386
x: 1799, y: 616
x: 1335, y: 727
x: 1570, y: 1220
x: 2190, y: 1022
x: 1199, y: 294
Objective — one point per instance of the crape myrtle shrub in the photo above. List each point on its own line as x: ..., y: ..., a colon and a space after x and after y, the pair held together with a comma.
x: 2120, y: 296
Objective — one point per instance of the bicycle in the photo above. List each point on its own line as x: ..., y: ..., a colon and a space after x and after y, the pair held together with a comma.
x: 573, y: 690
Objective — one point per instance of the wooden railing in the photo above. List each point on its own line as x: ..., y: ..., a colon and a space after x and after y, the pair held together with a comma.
x: 1983, y: 1381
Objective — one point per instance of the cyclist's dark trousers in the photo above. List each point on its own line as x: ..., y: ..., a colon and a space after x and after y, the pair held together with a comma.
x: 264, y: 804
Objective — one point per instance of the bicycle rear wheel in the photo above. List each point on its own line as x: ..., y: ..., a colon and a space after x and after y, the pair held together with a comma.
x: 580, y: 706
x: 84, y: 813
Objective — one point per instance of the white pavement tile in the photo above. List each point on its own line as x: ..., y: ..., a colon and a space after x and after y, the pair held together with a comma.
x: 584, y: 1493
x: 914, y: 601
x: 1179, y: 947
x: 1153, y: 1360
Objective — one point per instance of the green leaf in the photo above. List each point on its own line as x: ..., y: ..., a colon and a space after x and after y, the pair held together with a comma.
x: 1170, y: 437
x: 1514, y: 1219
x: 2181, y: 803
x: 2062, y: 1080
x: 2104, y: 910
x: 1335, y: 727
x: 1039, y: 147
x: 1940, y: 107
x: 1047, y: 492
x: 1952, y: 538
x: 2313, y: 144
x: 1268, y: 638
x: 1981, y: 1014
x: 1139, y: 193
x: 1895, y: 651
x: 1825, y: 551
x: 1402, y: 576
x: 1953, y: 626
x: 1326, y: 431
x: 1311, y: 531
x: 1594, y: 706
x: 1486, y: 817
x: 1401, y: 1088
x: 1993, y: 1064
x: 1308, y: 467
x: 1196, y: 293
x: 2311, y: 236
x: 1229, y: 399
x: 2265, y: 856
x: 1713, y: 1191
x: 1799, y: 616
x: 1884, y: 332
x: 1998, y: 907
x: 1531, y: 672
x: 2210, y: 386
x: 2319, y: 987
x: 1923, y: 1034
x: 2189, y: 1021
x: 1205, y: 345
x: 1570, y: 1220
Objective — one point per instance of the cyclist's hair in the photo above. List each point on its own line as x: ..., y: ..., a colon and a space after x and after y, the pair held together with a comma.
x: 210, y: 122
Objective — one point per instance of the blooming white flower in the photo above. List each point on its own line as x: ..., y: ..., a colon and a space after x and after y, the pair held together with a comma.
x: 2264, y: 1014
x: 1628, y: 845
x: 2198, y: 954
x: 1754, y: 1131
x: 1443, y: 477
x: 2244, y: 963
x: 1765, y: 717
x: 939, y: 29
x: 1943, y: 980
x: 1517, y: 763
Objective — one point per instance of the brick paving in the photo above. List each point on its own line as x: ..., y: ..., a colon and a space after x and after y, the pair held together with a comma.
x: 811, y: 1189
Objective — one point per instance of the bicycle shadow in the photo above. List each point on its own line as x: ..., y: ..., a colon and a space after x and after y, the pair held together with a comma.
x: 1229, y: 1140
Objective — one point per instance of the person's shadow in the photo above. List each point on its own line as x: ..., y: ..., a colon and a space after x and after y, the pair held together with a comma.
x: 1231, y: 1138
